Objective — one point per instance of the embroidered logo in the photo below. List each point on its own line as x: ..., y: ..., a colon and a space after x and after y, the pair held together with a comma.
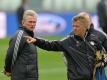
x: 92, y: 43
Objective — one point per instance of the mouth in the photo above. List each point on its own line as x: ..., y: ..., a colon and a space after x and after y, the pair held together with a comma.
x: 32, y: 27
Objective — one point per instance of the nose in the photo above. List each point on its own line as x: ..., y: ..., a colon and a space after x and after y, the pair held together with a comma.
x: 33, y: 23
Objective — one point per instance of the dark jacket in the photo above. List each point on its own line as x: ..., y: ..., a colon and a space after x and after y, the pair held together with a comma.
x: 102, y: 14
x: 25, y: 66
x: 80, y: 54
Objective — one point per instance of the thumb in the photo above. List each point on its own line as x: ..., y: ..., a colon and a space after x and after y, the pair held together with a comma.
x: 29, y: 41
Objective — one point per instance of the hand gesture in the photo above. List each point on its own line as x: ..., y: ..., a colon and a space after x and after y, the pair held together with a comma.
x: 30, y: 39
x: 7, y: 73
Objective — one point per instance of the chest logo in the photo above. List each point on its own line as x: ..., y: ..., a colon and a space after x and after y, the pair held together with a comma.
x: 92, y: 43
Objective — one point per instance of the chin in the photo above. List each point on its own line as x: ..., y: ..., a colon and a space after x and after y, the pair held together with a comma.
x: 31, y: 29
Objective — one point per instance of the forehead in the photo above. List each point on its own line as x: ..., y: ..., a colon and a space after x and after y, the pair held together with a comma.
x: 79, y: 18
x: 30, y: 17
x: 80, y: 21
x: 77, y: 23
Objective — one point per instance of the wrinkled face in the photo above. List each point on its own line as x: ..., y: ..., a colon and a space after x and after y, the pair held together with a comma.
x: 29, y: 22
x: 79, y: 29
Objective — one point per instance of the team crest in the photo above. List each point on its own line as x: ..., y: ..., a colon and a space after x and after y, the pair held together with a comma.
x: 92, y: 43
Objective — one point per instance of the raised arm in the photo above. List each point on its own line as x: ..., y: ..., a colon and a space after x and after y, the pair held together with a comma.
x: 54, y: 45
x: 49, y: 45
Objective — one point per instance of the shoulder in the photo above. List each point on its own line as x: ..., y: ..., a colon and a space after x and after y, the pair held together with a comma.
x: 18, y: 34
x: 99, y: 33
x: 68, y: 38
x: 101, y: 36
x: 70, y: 35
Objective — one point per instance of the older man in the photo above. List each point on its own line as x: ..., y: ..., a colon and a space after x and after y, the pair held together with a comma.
x: 79, y: 47
x: 21, y: 58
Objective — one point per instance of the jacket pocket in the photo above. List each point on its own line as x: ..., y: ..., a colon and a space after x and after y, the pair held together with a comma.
x: 32, y: 71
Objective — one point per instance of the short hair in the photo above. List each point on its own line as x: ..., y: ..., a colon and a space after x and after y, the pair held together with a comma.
x: 84, y: 18
x: 29, y: 13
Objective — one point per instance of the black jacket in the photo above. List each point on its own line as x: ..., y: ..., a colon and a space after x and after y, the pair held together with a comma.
x: 102, y: 14
x: 80, y: 54
x: 26, y: 59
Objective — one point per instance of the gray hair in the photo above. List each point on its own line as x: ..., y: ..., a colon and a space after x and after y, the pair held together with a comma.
x: 29, y: 13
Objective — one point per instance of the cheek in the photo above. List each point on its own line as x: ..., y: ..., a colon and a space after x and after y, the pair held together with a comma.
x: 82, y: 31
x: 79, y: 30
x: 34, y: 24
x: 26, y: 24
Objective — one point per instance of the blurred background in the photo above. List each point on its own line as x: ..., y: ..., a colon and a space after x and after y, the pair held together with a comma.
x: 54, y: 16
x: 54, y: 22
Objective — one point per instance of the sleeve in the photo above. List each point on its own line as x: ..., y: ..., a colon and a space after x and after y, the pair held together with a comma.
x: 101, y: 14
x: 105, y: 43
x: 55, y: 45
x: 15, y: 43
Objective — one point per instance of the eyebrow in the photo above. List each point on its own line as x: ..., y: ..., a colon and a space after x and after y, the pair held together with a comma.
x: 32, y: 21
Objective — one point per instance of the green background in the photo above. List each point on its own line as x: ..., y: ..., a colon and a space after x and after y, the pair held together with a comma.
x: 51, y: 64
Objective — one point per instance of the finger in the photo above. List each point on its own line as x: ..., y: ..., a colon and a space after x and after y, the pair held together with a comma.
x: 34, y: 40
x: 8, y: 74
x: 29, y: 41
x: 26, y: 36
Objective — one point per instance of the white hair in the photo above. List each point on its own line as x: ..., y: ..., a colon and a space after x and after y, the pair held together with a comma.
x: 29, y: 13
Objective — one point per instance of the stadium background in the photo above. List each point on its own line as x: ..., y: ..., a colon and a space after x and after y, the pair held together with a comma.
x: 54, y: 22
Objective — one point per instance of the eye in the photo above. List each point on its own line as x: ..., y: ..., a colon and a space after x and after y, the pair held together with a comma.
x: 32, y: 21
x: 76, y: 26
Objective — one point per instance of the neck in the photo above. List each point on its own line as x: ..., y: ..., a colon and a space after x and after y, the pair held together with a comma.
x: 84, y: 35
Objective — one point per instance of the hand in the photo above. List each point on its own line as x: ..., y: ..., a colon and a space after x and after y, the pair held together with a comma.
x: 7, y: 73
x: 30, y: 39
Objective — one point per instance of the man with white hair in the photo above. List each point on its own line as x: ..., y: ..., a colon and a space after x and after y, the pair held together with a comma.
x: 79, y: 47
x: 21, y: 58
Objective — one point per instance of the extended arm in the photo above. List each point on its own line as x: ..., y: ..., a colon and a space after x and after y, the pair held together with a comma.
x: 49, y: 45
x: 58, y: 45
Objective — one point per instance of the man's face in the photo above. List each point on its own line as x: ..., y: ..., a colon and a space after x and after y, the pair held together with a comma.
x: 79, y: 29
x: 29, y: 23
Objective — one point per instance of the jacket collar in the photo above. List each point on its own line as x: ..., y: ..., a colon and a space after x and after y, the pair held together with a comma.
x: 88, y: 32
x: 30, y: 33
